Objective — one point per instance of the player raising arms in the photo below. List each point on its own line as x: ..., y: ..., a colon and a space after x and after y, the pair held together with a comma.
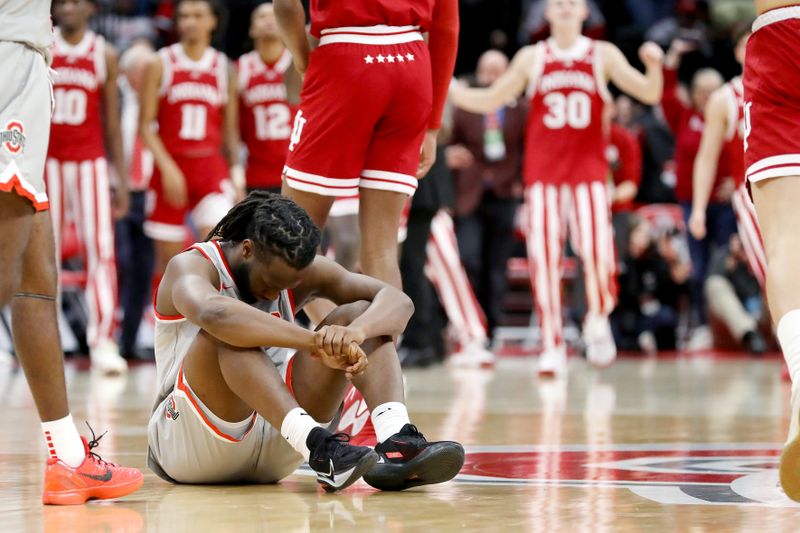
x: 74, y: 473
x: 86, y: 125
x: 565, y: 168
x: 265, y: 77
x: 772, y: 166
x: 372, y: 95
x: 189, y: 91
x: 238, y: 379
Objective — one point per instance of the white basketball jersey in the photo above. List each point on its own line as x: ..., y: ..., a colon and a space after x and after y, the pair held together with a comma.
x: 174, y: 335
x: 27, y: 21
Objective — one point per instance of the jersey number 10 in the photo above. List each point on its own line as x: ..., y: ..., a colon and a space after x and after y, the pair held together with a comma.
x: 70, y: 106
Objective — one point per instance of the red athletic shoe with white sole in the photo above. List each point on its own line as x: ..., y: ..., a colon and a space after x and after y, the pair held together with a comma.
x: 93, y: 479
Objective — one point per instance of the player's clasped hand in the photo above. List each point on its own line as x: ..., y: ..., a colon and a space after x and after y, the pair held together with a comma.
x: 339, y: 347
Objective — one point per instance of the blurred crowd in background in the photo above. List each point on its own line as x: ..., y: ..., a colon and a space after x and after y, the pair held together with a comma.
x: 675, y: 292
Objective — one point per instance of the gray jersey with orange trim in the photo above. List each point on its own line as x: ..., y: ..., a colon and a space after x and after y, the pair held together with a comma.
x: 174, y: 335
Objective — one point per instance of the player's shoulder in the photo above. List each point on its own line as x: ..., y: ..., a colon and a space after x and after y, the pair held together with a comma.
x: 192, y: 261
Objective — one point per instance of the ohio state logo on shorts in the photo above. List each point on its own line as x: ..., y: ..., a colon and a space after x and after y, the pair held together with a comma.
x: 13, y: 137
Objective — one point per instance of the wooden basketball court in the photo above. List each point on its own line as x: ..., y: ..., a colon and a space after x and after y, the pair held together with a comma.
x: 671, y: 444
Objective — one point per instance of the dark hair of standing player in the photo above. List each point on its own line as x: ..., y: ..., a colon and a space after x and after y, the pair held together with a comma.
x: 275, y: 224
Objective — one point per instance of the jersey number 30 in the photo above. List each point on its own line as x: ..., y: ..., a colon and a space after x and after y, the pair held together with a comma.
x: 573, y: 110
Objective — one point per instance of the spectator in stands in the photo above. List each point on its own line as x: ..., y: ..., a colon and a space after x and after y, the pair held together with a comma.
x: 624, y: 155
x: 685, y: 118
x: 134, y: 249
x: 734, y: 296
x: 486, y: 156
x: 651, y: 279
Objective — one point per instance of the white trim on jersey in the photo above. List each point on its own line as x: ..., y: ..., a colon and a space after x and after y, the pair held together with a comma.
x: 537, y: 67
x: 222, y: 76
x: 750, y: 233
x: 776, y: 15
x: 166, y: 71
x: 313, y: 183
x: 575, y: 52
x: 160, y: 231
x: 774, y: 167
x: 63, y: 47
x: 244, y: 68
x: 599, y: 73
x: 100, y: 59
x: 378, y: 35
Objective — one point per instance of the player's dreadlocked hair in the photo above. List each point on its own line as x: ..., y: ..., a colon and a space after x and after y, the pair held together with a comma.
x: 275, y: 224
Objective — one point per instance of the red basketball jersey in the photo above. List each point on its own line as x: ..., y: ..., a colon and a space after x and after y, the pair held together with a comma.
x: 265, y: 116
x: 327, y: 14
x: 192, y: 97
x: 733, y: 151
x: 565, y: 141
x: 76, y: 131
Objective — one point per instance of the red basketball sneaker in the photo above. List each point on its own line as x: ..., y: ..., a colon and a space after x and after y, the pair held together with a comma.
x: 93, y: 479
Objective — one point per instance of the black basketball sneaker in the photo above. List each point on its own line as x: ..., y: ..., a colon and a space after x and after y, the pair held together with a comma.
x: 338, y: 464
x: 408, y: 460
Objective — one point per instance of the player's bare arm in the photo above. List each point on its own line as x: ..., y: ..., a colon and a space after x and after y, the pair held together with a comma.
x: 647, y: 87
x: 442, y: 44
x: 705, y: 164
x: 113, y: 132
x: 507, y: 87
x: 172, y: 179
x: 231, y: 139
x: 390, y: 308
x: 190, y: 288
x: 292, y: 23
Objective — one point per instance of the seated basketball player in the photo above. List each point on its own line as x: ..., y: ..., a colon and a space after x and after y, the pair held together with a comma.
x: 242, y: 388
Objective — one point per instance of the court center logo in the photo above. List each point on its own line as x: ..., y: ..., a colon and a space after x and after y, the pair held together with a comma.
x: 688, y: 474
x: 13, y: 137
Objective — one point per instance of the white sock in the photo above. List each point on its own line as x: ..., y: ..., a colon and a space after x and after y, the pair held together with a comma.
x: 789, y: 337
x: 64, y: 441
x: 388, y: 419
x: 295, y: 429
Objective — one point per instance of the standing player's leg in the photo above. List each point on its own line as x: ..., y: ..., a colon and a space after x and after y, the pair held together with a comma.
x: 592, y: 236
x: 27, y: 256
x: 379, y: 221
x: 97, y: 228
x: 448, y: 276
x: 545, y: 245
x: 34, y: 310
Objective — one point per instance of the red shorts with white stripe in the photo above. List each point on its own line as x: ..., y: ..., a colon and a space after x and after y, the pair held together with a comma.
x: 365, y: 104
x: 772, y: 96
x: 210, y: 197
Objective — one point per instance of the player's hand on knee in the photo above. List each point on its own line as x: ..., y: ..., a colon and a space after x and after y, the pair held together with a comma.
x: 174, y: 184
x: 358, y: 361
x: 336, y: 340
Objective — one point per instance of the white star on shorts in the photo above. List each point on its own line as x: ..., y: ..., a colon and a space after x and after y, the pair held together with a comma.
x: 410, y: 57
x: 381, y: 58
x: 400, y: 58
x: 390, y: 59
x: 369, y: 59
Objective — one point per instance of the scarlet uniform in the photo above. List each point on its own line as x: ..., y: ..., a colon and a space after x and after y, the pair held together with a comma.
x: 733, y: 153
x: 566, y: 175
x: 190, y: 115
x: 77, y: 172
x: 772, y: 96
x: 368, y: 82
x: 266, y: 117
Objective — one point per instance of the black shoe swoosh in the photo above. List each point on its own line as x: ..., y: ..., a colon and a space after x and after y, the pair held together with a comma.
x: 104, y: 478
